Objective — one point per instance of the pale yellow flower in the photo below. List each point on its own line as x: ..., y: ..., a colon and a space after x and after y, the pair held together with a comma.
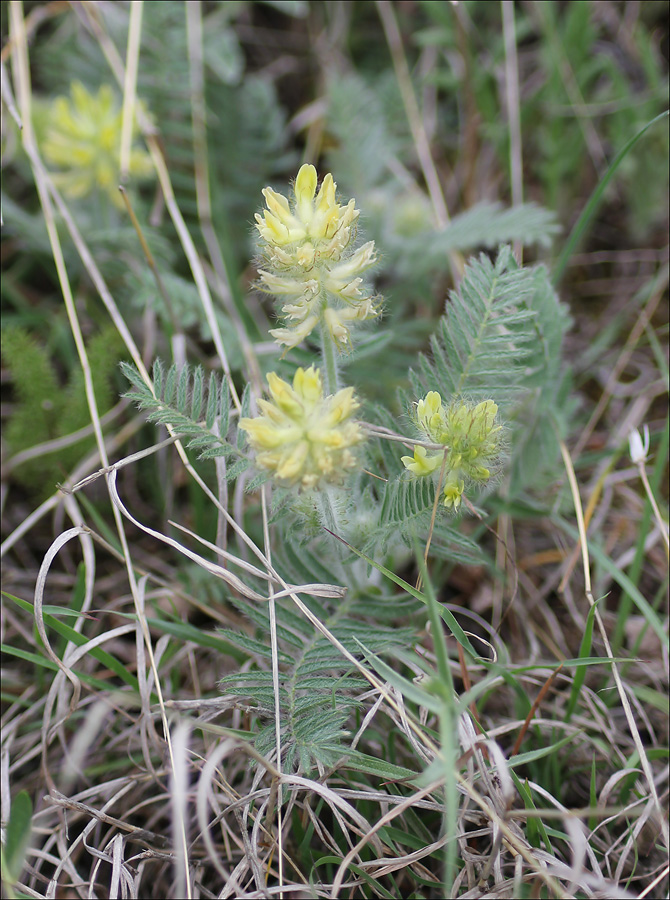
x: 430, y: 417
x: 335, y: 320
x: 302, y: 436
x: 421, y: 464
x: 453, y: 492
x: 291, y: 337
x: 83, y: 138
x: 305, y: 260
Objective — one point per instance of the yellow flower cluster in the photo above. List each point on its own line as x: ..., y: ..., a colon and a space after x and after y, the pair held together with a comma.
x: 83, y: 138
x: 470, y: 436
x: 302, y: 436
x: 306, y: 266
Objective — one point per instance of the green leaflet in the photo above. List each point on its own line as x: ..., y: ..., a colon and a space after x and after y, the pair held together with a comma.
x: 181, y: 401
x: 319, y: 689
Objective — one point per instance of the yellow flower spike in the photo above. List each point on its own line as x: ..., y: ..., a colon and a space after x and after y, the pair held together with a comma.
x: 82, y: 136
x: 421, y: 464
x: 306, y: 254
x: 301, y: 436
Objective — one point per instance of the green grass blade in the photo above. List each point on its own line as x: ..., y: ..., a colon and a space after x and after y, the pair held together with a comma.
x: 445, y: 614
x: 589, y: 210
x: 17, y: 837
x: 622, y: 580
x: 535, y: 830
x: 45, y: 663
x: 522, y: 759
x: 408, y: 689
x: 580, y: 674
x: 103, y: 657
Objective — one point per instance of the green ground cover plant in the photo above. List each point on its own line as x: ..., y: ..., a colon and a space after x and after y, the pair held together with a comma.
x: 335, y: 438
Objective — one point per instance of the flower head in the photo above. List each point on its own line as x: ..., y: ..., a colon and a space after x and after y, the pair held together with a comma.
x: 302, y: 436
x: 83, y: 138
x: 307, y: 261
x: 470, y: 436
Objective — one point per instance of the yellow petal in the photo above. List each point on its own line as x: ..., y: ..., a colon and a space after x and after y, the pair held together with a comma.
x: 431, y: 404
x: 453, y: 492
x: 262, y: 433
x: 305, y: 254
x: 338, y: 331
x: 326, y: 196
x: 293, y: 464
x: 421, y: 464
x: 305, y: 187
x: 277, y: 203
x: 307, y: 383
x: 291, y: 337
x: 284, y: 396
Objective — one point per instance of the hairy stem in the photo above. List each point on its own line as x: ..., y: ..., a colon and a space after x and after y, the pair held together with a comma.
x: 329, y: 363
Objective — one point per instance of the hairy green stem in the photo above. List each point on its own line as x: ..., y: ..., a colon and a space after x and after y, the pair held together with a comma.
x: 328, y: 361
x: 326, y: 505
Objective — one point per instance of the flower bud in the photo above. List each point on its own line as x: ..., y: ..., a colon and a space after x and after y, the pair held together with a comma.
x: 471, y: 439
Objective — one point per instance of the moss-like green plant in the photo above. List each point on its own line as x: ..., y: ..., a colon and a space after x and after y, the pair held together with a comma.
x: 45, y: 410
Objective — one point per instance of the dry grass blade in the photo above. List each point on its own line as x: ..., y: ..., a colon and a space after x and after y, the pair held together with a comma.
x: 392, y: 814
x: 644, y: 759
